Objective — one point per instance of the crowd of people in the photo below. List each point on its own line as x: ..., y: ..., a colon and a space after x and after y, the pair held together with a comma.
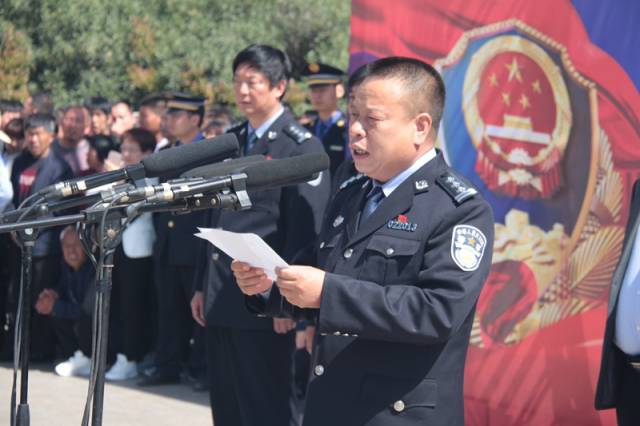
x: 158, y: 313
x: 389, y: 250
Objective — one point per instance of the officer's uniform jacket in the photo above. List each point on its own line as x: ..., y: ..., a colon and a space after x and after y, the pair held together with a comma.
x: 287, y: 218
x: 611, y: 368
x: 175, y: 244
x: 335, y: 141
x: 398, y: 301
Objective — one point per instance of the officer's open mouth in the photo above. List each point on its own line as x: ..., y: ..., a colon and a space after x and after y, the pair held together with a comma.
x: 359, y: 152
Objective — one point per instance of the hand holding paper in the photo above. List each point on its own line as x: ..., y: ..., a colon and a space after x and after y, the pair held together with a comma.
x: 256, y: 266
x: 246, y: 248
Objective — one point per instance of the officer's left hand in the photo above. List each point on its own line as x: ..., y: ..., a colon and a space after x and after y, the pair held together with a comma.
x: 251, y: 280
x: 301, y: 285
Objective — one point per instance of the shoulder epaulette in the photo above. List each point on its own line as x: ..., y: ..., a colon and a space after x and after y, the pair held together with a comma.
x: 349, y: 181
x: 456, y: 187
x: 297, y: 132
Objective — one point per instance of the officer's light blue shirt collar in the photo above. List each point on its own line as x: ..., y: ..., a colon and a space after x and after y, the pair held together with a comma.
x: 389, y: 186
x: 331, y: 121
x: 265, y: 126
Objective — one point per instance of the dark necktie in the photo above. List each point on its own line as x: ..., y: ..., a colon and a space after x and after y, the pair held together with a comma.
x: 322, y: 129
x: 374, y: 198
x: 251, y: 140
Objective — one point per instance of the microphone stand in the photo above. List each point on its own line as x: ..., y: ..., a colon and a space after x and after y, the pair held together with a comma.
x: 110, y: 217
x: 111, y: 236
x: 27, y: 239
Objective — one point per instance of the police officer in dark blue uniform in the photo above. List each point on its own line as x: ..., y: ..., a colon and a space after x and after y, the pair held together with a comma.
x: 250, y: 364
x: 174, y: 255
x: 404, y: 251
x: 325, y: 90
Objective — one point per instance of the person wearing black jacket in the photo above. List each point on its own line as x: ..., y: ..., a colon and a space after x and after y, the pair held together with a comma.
x: 330, y: 126
x: 174, y: 256
x: 70, y: 306
x: 249, y: 358
x: 619, y: 379
x: 403, y: 254
x: 36, y: 168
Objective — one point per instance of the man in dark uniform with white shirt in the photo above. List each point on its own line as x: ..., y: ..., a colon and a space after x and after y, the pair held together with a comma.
x: 174, y: 255
x: 325, y: 90
x: 404, y: 252
x: 619, y: 381
x: 249, y: 358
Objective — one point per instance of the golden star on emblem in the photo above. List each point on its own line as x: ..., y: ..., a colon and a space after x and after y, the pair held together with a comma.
x: 493, y: 79
x: 536, y: 86
x: 506, y: 99
x: 514, y: 70
x: 524, y: 101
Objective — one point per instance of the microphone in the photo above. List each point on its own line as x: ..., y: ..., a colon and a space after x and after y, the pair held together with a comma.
x: 223, y: 168
x: 265, y: 174
x: 286, y: 171
x: 163, y: 164
x: 191, y: 176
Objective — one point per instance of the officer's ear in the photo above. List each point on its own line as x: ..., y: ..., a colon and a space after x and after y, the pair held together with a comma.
x: 279, y: 89
x: 339, y: 91
x: 423, y: 123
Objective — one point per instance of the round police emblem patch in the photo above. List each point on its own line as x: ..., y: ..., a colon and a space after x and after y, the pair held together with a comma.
x: 467, y: 247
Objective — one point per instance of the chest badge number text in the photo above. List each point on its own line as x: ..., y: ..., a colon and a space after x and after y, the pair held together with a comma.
x: 402, y: 223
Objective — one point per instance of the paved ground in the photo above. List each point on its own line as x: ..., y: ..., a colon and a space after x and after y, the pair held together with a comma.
x: 59, y: 401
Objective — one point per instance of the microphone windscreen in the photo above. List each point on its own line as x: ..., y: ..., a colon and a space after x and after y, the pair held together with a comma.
x: 171, y: 162
x: 224, y: 168
x: 285, y: 171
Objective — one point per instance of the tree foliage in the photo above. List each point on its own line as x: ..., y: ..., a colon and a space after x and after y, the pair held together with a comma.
x: 127, y: 48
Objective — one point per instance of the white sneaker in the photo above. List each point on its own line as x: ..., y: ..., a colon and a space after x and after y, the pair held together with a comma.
x: 77, y: 365
x: 123, y: 369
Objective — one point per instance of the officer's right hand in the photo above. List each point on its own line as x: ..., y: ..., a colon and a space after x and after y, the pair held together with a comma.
x: 197, y: 308
x: 251, y: 280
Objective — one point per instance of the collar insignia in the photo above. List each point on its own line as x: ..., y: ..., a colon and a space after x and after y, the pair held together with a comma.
x: 421, y: 185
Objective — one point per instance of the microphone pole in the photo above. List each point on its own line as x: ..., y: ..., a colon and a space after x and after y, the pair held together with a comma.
x: 28, y: 238
x: 109, y: 217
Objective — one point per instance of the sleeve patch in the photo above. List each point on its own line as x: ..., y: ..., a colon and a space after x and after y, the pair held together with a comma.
x: 467, y: 247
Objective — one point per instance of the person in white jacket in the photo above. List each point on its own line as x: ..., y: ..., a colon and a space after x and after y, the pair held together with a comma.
x: 133, y: 275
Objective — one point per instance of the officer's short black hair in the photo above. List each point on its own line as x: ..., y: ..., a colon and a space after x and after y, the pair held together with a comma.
x: 417, y: 77
x: 42, y: 102
x: 45, y: 121
x: 7, y: 105
x: 98, y: 103
x: 271, y: 62
x: 144, y: 138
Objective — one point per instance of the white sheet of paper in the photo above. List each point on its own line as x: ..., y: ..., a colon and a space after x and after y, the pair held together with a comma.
x: 248, y: 248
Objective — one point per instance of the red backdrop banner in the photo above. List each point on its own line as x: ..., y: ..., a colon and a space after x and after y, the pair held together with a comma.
x: 542, y: 115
